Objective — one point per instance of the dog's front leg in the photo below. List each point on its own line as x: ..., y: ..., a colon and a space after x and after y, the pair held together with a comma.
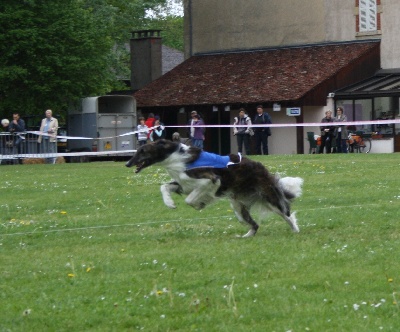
x: 166, y: 190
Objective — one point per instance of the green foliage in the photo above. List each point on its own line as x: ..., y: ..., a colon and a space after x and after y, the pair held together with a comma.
x: 55, y: 52
x: 172, y: 31
x: 92, y: 247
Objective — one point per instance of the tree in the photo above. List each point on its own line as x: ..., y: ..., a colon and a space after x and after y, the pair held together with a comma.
x: 54, y: 52
x: 169, y: 19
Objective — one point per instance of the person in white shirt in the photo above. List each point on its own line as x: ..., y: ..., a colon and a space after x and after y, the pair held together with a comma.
x: 48, y: 138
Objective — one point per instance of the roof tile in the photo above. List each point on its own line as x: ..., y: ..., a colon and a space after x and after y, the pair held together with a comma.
x: 248, y: 77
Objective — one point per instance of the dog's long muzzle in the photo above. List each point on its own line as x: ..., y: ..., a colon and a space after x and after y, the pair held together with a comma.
x: 129, y: 163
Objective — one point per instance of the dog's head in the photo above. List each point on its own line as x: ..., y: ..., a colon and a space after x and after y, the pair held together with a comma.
x: 152, y: 153
x: 176, y: 137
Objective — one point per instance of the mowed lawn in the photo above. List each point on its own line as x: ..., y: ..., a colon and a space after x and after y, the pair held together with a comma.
x: 91, y: 247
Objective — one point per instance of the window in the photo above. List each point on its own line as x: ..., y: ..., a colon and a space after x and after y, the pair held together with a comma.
x: 378, y: 108
x: 368, y: 15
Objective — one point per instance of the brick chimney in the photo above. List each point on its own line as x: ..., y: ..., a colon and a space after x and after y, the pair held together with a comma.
x: 146, y: 65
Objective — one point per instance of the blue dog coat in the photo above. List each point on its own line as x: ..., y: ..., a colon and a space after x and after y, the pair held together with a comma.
x: 212, y: 160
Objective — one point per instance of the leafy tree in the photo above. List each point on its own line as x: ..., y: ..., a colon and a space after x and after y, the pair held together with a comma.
x: 169, y: 19
x: 172, y: 30
x: 54, y: 52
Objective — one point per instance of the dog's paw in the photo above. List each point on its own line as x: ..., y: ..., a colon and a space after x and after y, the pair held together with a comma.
x: 197, y: 206
x: 171, y: 205
x: 293, y: 223
x: 250, y: 233
x: 169, y: 202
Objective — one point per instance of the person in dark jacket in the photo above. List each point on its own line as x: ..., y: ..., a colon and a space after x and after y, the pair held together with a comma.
x: 341, y: 134
x: 262, y: 133
x: 16, y: 126
x: 327, y: 131
x: 198, y: 132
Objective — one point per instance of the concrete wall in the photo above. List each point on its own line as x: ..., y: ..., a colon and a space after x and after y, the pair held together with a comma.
x: 236, y: 24
x: 390, y: 46
x: 219, y: 25
x: 339, y: 20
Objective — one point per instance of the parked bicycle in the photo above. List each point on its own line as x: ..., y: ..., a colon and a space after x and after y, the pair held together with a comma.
x: 358, y: 143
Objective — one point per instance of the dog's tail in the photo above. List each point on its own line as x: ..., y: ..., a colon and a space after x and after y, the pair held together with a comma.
x: 291, y: 186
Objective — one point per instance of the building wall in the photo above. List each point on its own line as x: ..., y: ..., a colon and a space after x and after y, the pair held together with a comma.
x: 390, y: 45
x: 228, y: 25
x: 234, y: 24
x: 339, y: 20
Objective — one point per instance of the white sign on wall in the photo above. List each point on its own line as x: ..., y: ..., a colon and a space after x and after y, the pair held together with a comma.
x: 276, y: 107
x: 293, y: 111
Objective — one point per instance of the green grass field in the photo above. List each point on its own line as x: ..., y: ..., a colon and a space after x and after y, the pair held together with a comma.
x: 91, y: 247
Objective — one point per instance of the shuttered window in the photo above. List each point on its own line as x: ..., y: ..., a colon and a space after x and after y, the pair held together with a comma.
x: 368, y: 15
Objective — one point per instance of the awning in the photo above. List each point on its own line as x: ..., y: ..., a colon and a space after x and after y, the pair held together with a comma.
x: 262, y: 76
x: 383, y: 83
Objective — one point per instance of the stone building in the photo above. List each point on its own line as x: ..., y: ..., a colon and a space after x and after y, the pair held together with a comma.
x: 310, y: 55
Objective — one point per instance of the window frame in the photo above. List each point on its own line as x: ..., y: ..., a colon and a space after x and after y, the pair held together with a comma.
x: 368, y: 15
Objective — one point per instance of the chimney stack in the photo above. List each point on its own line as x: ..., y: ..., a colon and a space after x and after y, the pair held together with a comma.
x: 146, y: 65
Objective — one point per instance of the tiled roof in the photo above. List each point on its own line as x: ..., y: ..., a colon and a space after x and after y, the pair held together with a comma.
x: 251, y: 77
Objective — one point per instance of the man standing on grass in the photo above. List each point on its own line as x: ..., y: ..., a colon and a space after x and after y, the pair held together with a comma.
x: 17, y: 126
x: 261, y: 133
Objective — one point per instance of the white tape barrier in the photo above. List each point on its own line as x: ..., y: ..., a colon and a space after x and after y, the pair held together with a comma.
x: 273, y: 125
x: 127, y: 152
x: 66, y: 154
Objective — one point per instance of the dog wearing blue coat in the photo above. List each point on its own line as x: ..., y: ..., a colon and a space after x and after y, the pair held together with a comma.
x: 205, y: 177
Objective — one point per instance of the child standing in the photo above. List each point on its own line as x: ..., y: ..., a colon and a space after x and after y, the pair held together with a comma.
x: 143, y: 130
x: 158, y: 132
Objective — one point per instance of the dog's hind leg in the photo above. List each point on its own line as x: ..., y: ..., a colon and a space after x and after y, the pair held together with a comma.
x: 204, y: 193
x: 282, y: 208
x: 292, y: 221
x: 243, y: 215
x: 166, y: 190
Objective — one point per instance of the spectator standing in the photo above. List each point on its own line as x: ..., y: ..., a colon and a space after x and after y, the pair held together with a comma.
x: 327, y: 132
x: 4, y: 140
x: 262, y: 133
x: 341, y: 131
x: 242, y: 133
x: 190, y: 124
x: 158, y: 131
x: 16, y: 126
x: 48, y: 139
x: 142, y: 131
x: 150, y: 123
x: 5, y: 123
x: 198, y: 132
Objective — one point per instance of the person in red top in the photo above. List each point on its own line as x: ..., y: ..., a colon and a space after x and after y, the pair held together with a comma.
x: 150, y: 123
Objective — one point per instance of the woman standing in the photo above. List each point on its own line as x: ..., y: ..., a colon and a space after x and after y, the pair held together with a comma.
x: 341, y: 131
x: 242, y: 133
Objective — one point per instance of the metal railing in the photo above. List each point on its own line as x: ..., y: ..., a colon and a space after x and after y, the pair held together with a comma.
x: 14, y: 147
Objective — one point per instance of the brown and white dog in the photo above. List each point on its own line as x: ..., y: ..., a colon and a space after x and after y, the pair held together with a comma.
x: 205, y: 177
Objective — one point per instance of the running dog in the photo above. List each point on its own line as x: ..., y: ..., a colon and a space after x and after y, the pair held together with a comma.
x: 205, y: 177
